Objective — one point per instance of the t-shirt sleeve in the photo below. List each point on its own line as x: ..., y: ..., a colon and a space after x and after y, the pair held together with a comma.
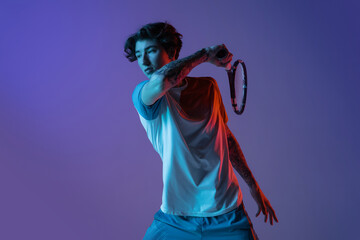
x: 147, y: 112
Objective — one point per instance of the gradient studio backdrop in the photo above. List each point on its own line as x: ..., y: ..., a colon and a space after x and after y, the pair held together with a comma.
x: 75, y: 162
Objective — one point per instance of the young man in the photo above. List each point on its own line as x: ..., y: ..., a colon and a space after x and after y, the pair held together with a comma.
x: 185, y: 120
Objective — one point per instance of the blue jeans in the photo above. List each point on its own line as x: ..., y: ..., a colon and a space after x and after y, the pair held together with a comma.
x: 229, y: 226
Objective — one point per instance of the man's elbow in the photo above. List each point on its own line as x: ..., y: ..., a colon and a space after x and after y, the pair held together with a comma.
x: 153, y: 90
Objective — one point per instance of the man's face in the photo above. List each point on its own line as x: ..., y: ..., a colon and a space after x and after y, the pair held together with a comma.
x: 151, y: 56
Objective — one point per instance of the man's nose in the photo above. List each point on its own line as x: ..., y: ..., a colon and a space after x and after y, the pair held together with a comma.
x: 145, y: 60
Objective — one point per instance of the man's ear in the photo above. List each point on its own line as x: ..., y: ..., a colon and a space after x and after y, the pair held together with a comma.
x: 172, y: 54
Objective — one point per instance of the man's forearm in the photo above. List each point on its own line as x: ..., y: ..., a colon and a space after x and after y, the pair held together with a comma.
x: 177, y: 70
x: 238, y: 160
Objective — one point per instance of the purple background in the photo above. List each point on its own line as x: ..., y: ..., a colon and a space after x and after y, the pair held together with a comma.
x: 75, y: 162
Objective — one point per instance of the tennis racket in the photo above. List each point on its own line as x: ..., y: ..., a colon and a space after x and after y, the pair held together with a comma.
x: 237, y: 81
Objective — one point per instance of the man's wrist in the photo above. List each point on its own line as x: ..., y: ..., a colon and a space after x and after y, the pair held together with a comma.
x: 202, y: 55
x: 205, y: 51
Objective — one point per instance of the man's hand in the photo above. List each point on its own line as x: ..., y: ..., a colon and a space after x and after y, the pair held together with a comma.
x: 220, y: 62
x: 263, y: 204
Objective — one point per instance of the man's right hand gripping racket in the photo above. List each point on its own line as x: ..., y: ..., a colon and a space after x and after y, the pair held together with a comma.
x: 237, y: 82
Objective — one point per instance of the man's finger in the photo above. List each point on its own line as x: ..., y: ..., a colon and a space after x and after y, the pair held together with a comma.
x: 275, y: 216
x: 264, y: 210
x: 226, y: 64
x: 262, y: 204
x: 258, y: 213
x: 271, y: 210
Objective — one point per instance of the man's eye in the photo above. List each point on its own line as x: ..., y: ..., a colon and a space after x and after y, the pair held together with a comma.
x: 138, y: 56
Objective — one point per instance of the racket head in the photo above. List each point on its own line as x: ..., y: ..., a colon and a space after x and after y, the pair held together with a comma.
x: 238, y: 86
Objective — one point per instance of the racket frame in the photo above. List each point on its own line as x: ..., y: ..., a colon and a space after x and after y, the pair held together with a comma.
x: 231, y: 75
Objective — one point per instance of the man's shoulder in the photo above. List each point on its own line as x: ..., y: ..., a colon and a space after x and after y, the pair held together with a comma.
x: 140, y: 85
x: 138, y: 88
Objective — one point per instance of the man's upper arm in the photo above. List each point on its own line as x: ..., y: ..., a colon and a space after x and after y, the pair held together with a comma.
x: 153, y: 89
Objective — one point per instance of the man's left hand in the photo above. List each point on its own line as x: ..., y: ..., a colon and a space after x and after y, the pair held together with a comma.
x: 263, y: 204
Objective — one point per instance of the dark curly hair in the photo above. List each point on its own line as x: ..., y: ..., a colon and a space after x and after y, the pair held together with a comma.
x: 163, y: 32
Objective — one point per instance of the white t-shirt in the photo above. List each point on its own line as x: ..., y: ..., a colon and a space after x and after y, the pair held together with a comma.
x: 186, y: 126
